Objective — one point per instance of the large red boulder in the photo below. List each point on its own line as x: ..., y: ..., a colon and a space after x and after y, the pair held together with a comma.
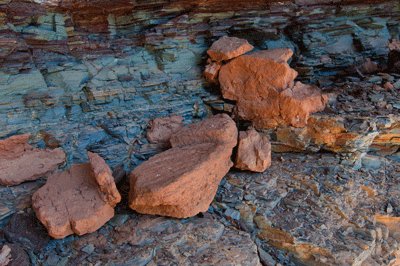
x: 182, y: 181
x: 254, y: 151
x: 20, y: 162
x: 227, y: 48
x: 250, y: 77
x: 78, y: 201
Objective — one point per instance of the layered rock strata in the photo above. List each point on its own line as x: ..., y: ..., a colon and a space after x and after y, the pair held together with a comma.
x: 182, y: 181
x: 21, y: 162
x: 78, y: 201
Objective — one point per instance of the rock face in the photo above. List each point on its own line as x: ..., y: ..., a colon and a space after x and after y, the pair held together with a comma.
x: 227, y: 48
x: 254, y: 151
x: 182, y: 181
x: 20, y: 162
x: 160, y: 129
x: 78, y: 201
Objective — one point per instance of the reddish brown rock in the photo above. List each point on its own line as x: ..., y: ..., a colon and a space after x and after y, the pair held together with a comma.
x: 20, y: 162
x: 104, y: 178
x: 219, y: 129
x: 297, y: 103
x: 160, y: 129
x: 254, y: 151
x: 249, y: 77
x: 76, y: 201
x: 211, y: 72
x: 227, y: 48
x: 182, y: 181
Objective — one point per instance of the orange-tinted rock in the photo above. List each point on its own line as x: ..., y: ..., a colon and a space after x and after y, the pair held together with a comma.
x: 227, y: 48
x: 297, y: 103
x: 219, y: 129
x: 104, y: 178
x: 211, y: 72
x: 20, y: 162
x: 254, y: 151
x: 393, y: 224
x: 73, y: 201
x: 160, y: 129
x: 182, y: 181
x: 248, y: 77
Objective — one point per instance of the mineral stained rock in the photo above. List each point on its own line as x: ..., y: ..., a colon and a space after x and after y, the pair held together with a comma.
x: 297, y: 103
x: 78, y: 201
x: 211, y: 71
x: 182, y: 181
x: 160, y: 129
x: 227, y: 48
x: 254, y: 151
x: 262, y: 84
x: 20, y: 162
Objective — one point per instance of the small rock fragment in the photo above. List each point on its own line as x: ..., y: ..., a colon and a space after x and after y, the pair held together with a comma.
x: 254, y: 151
x: 78, y: 201
x: 211, y: 72
x: 13, y: 255
x: 20, y: 162
x: 160, y: 129
x: 227, y: 48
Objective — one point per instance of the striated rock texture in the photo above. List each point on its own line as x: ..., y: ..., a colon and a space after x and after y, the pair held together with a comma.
x: 160, y: 129
x: 254, y: 151
x: 20, y: 162
x: 182, y: 181
x: 78, y: 201
x: 228, y: 48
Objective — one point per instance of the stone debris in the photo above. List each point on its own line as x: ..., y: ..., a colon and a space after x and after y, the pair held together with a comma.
x: 20, y: 162
x: 78, y: 201
x: 13, y: 255
x: 227, y: 48
x: 253, y: 152
x: 182, y: 181
x: 211, y: 72
x: 161, y: 129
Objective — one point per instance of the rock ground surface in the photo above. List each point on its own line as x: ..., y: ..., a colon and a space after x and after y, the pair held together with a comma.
x: 21, y: 162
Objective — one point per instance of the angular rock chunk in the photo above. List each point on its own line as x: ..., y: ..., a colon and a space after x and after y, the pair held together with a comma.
x: 298, y: 103
x: 219, y: 129
x: 227, y: 48
x: 182, y: 181
x: 249, y: 77
x: 254, y: 151
x: 20, y: 162
x: 161, y: 128
x: 211, y: 72
x: 78, y: 201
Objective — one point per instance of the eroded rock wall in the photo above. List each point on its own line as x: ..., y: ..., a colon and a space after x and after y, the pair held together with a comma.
x: 89, y: 75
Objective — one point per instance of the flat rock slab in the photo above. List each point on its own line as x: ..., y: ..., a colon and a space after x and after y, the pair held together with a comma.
x: 180, y: 182
x: 227, y: 48
x: 20, y: 162
x: 78, y: 201
x: 254, y: 151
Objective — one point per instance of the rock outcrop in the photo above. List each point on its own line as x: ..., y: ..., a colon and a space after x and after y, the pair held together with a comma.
x: 78, y: 201
x: 21, y: 162
x: 182, y: 181
x: 227, y: 48
x: 160, y: 129
x: 254, y: 151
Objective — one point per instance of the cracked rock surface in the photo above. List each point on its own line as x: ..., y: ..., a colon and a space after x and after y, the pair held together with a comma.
x: 78, y: 201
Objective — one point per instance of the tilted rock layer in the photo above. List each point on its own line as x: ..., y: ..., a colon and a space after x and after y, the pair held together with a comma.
x: 78, y: 201
x: 20, y: 162
x: 182, y: 181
